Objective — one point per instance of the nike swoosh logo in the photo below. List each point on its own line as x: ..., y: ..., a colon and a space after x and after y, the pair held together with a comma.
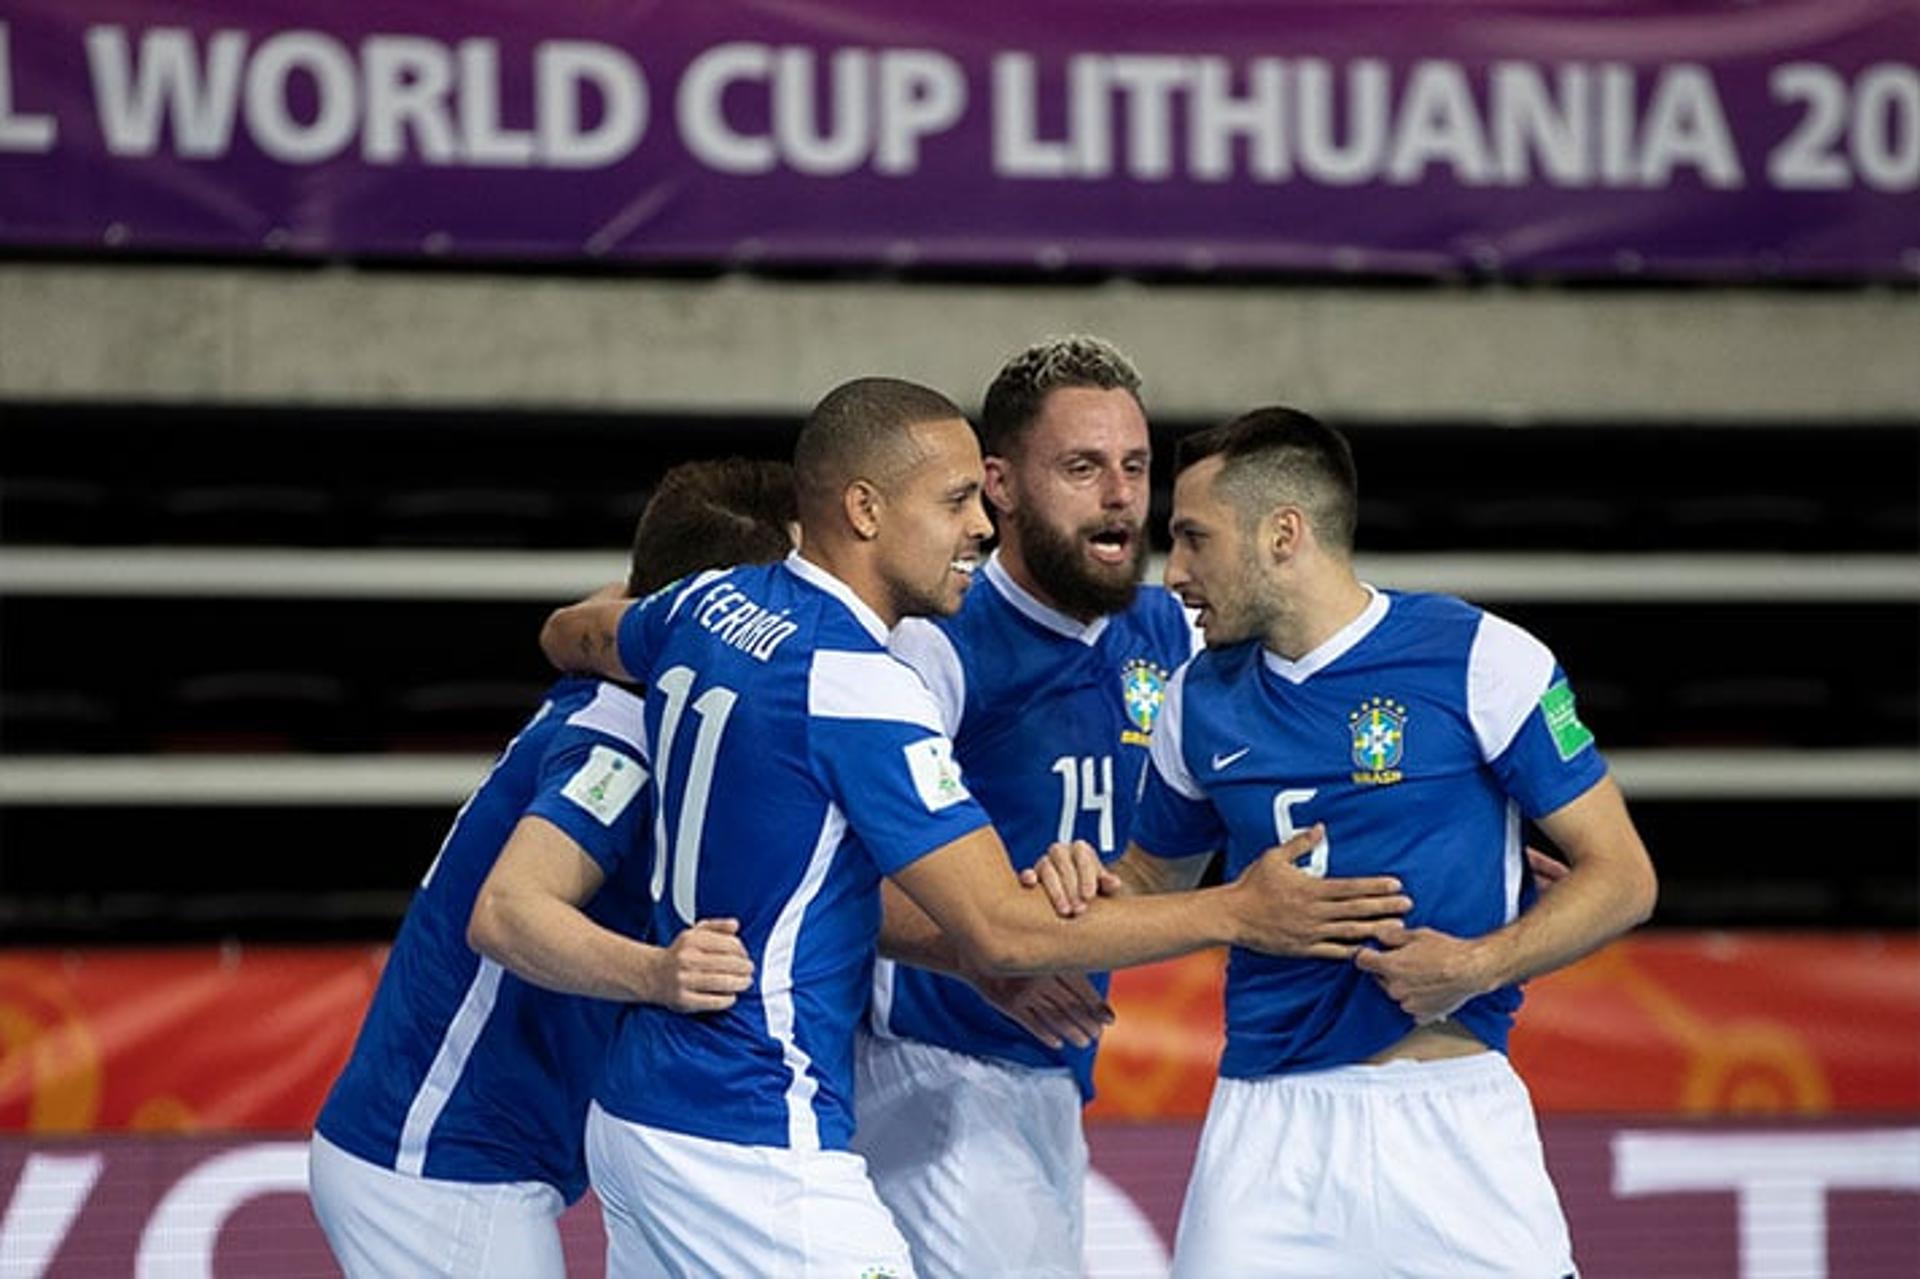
x: 1222, y: 761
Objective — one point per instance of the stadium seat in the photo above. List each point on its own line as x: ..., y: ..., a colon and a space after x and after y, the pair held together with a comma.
x: 472, y: 517
x: 53, y: 721
x: 1748, y: 521
x: 243, y: 711
x: 459, y: 715
x: 55, y: 511
x: 1772, y: 711
x: 251, y: 515
x: 1539, y: 523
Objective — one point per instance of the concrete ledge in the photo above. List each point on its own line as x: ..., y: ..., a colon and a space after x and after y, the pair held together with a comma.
x: 239, y: 335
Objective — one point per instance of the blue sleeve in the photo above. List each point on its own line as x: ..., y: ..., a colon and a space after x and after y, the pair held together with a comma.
x: 898, y: 785
x: 595, y: 789
x: 1168, y: 824
x: 1552, y: 759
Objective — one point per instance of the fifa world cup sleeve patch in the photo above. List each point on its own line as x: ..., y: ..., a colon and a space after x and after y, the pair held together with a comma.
x: 605, y: 784
x: 1570, y: 736
x: 935, y: 776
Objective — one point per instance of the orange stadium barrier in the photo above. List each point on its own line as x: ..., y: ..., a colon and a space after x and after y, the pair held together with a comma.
x: 1690, y: 1024
x: 1662, y: 1023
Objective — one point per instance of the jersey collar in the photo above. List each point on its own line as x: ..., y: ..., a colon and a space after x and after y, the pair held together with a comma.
x: 813, y: 575
x: 1335, y: 646
x: 1040, y: 614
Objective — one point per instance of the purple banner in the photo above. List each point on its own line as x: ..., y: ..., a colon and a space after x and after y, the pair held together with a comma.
x: 1651, y: 1200
x: 1718, y: 138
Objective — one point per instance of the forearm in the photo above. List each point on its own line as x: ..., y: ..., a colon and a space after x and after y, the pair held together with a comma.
x: 911, y: 936
x: 1026, y: 936
x: 1609, y: 888
x: 585, y: 637
x: 554, y: 945
x: 1592, y: 905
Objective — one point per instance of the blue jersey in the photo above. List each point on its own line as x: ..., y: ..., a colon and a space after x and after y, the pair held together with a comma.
x: 796, y: 763
x: 462, y: 1071
x: 1419, y: 736
x: 1050, y: 720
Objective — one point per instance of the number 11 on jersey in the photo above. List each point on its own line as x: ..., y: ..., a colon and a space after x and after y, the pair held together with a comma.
x: 712, y: 707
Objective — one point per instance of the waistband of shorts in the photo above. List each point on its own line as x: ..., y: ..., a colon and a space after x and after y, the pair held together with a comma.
x: 1401, y: 1076
x: 892, y: 1064
x: 908, y: 1047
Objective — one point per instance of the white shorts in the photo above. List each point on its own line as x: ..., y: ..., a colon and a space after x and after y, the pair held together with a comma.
x: 687, y: 1206
x: 1403, y: 1169
x: 380, y: 1222
x: 982, y: 1162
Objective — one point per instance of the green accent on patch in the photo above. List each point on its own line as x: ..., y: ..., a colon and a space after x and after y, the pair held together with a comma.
x: 1570, y: 736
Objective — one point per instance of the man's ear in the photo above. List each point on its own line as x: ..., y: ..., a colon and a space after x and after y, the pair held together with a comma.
x: 999, y: 482
x: 1283, y: 533
x: 862, y: 503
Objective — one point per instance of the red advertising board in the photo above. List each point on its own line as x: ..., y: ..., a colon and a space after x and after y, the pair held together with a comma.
x: 210, y: 1040
x: 1660, y: 1023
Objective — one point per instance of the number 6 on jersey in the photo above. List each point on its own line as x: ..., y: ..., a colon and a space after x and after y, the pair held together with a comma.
x: 1284, y: 830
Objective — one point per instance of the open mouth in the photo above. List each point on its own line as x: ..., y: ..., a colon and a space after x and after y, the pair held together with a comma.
x: 964, y: 565
x: 1112, y: 545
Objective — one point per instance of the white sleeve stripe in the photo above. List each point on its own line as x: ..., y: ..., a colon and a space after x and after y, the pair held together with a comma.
x: 617, y: 713
x: 845, y: 685
x: 1507, y: 671
x: 929, y: 651
x: 1168, y: 759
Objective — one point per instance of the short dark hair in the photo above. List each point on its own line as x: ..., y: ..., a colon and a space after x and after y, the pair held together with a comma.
x: 1273, y: 455
x: 858, y: 431
x: 710, y: 514
x: 1020, y: 388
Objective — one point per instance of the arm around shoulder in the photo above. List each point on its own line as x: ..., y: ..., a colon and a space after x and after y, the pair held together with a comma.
x: 528, y: 919
x: 585, y: 637
x: 968, y: 889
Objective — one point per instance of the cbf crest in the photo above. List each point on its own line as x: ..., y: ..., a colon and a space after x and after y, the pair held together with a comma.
x: 1143, y: 689
x: 1377, y: 731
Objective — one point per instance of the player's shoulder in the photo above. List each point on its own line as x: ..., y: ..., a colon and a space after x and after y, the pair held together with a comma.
x: 925, y: 644
x: 825, y: 610
x: 1426, y: 608
x: 1482, y: 629
x: 1158, y: 610
x: 1220, y: 668
x: 598, y: 708
x: 986, y: 619
x: 1439, y: 624
x: 563, y: 699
